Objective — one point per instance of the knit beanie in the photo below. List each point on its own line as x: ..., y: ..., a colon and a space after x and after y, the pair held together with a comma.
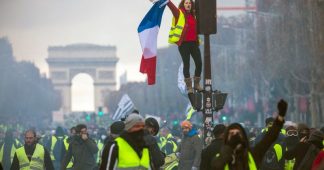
x: 186, y: 124
x: 132, y: 120
x: 117, y: 127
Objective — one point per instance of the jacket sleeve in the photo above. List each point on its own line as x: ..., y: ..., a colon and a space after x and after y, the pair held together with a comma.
x: 198, y: 146
x: 109, y: 156
x: 224, y: 157
x: 15, y: 163
x: 91, y: 144
x: 47, y: 160
x: 260, y: 148
x: 67, y: 158
x: 174, y: 10
x: 156, y: 155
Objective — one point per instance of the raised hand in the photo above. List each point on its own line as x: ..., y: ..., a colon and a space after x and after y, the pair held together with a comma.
x: 282, y: 107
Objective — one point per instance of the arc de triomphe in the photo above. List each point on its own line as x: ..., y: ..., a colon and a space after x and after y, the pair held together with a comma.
x: 65, y: 62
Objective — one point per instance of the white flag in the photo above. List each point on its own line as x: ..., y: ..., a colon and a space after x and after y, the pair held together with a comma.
x: 181, y: 83
x: 125, y: 105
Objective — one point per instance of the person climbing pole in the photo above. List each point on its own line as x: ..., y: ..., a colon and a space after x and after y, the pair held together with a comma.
x: 184, y: 33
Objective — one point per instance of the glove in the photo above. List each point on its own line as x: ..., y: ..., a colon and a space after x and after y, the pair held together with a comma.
x: 178, y: 154
x: 194, y: 168
x: 282, y: 108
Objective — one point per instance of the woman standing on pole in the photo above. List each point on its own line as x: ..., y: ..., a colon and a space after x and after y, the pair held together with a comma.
x: 184, y: 33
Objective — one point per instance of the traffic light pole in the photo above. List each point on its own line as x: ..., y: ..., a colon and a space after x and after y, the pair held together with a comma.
x: 207, y: 95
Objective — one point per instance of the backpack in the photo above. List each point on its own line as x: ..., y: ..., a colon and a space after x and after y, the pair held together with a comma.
x: 270, y: 160
x: 58, y: 148
x: 309, y: 157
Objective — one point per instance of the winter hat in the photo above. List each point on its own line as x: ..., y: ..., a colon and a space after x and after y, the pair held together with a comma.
x: 132, y: 120
x: 187, y: 124
x: 316, y: 136
x: 117, y: 127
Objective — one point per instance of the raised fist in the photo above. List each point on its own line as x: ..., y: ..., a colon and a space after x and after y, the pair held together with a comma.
x: 282, y: 107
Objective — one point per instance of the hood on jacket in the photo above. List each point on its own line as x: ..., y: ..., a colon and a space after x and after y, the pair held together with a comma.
x: 192, y: 132
x: 239, y: 127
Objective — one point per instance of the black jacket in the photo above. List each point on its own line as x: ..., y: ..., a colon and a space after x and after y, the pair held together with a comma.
x: 83, y: 152
x: 156, y: 155
x: 209, y: 152
x: 257, y: 152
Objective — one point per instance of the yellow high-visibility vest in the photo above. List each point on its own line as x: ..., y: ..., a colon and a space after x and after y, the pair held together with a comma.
x: 128, y: 158
x: 54, y: 140
x: 66, y: 145
x: 177, y: 28
x: 12, y: 153
x: 100, y: 146
x: 252, y: 165
x: 36, y: 162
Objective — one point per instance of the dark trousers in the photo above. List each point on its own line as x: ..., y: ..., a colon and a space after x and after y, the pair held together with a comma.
x: 190, y: 48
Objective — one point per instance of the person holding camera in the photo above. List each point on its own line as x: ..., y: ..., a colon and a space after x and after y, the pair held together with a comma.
x: 236, y: 152
x: 82, y: 149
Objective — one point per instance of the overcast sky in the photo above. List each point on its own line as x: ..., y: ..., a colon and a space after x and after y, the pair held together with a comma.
x: 33, y: 25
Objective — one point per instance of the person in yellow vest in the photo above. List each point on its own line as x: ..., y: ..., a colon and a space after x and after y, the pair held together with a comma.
x: 57, y: 147
x: 31, y: 156
x: 236, y: 152
x: 291, y: 141
x: 129, y: 150
x: 170, y: 145
x: 8, y: 149
x: 115, y: 130
x: 183, y: 33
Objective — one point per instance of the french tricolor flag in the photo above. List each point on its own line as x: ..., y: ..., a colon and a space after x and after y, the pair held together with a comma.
x: 148, y: 32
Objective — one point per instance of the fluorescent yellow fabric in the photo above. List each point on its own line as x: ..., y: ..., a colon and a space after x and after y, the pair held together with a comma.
x: 252, y: 165
x: 12, y: 153
x: 177, y: 28
x: 128, y: 158
x: 36, y: 162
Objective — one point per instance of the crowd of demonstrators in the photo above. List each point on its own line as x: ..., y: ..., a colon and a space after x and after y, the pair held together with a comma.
x: 138, y: 143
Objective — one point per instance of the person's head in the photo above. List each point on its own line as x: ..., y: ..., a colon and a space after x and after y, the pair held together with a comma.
x: 188, y: 5
x: 59, y: 131
x: 186, y: 126
x: 9, y: 136
x: 303, y: 131
x: 73, y: 131
x: 218, y: 131
x: 30, y: 137
x: 316, y: 138
x: 116, y: 128
x: 235, y: 130
x: 81, y: 129
x: 134, y: 122
x: 164, y: 131
x: 152, y: 126
x: 269, y: 121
